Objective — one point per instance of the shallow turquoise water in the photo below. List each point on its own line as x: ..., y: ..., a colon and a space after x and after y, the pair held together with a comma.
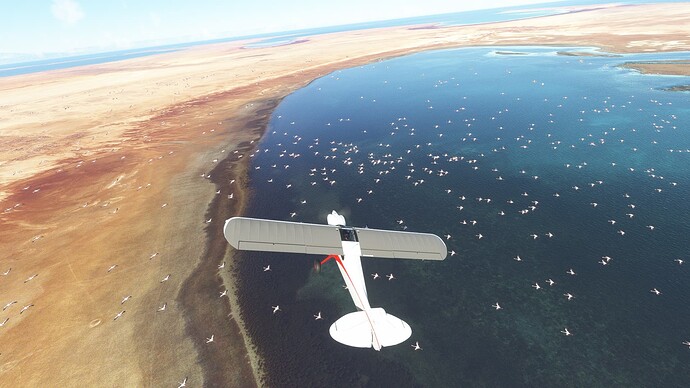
x: 577, y: 138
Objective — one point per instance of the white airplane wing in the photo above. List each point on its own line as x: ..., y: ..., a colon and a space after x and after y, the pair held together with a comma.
x: 400, y: 245
x: 255, y: 234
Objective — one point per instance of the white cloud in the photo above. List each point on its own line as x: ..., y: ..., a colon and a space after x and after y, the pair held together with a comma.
x: 67, y: 11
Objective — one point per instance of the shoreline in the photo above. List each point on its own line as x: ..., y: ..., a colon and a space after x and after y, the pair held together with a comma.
x: 202, y: 280
x: 154, y: 124
x: 677, y: 67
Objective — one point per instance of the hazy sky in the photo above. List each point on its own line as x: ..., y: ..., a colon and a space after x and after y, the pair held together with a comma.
x: 48, y: 26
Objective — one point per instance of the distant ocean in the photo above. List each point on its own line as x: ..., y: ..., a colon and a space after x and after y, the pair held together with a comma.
x: 526, y: 143
x: 12, y: 67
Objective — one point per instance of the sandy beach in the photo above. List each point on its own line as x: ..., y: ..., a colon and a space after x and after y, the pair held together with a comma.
x: 115, y: 181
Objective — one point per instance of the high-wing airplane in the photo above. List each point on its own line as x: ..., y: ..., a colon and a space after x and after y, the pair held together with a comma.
x: 368, y: 327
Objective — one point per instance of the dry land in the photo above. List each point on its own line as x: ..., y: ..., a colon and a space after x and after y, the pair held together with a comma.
x: 114, y: 176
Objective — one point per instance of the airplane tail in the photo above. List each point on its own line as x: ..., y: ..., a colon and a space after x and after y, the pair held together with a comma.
x: 373, y: 328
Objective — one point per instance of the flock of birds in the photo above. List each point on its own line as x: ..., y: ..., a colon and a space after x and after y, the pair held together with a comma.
x: 120, y: 312
x: 330, y: 160
x: 302, y: 159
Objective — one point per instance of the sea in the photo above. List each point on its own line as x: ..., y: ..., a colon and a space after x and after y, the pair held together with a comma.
x: 18, y: 64
x: 538, y: 166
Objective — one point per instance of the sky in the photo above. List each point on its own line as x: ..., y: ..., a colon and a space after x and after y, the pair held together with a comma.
x: 42, y: 27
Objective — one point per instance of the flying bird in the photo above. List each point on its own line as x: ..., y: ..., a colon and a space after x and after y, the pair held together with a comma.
x: 30, y: 278
x: 118, y: 315
x: 25, y: 308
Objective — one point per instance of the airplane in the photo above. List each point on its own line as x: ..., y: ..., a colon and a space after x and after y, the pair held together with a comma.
x: 368, y: 327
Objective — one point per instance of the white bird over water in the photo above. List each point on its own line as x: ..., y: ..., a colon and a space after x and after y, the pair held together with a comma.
x: 679, y: 261
x: 267, y: 268
x: 416, y: 346
x: 570, y: 272
x: 390, y: 276
x: 496, y: 306
x: 568, y: 295
x: 655, y: 291
x: 375, y: 276
x: 566, y: 331
x: 536, y: 286
x: 551, y: 282
x: 317, y: 316
x: 276, y: 309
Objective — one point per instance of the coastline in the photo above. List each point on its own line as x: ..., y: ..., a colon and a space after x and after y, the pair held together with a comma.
x: 680, y: 67
x: 144, y: 134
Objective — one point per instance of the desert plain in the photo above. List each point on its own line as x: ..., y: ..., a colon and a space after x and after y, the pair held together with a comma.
x: 116, y: 178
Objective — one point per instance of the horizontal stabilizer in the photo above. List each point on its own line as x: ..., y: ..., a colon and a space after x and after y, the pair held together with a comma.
x: 372, y: 328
